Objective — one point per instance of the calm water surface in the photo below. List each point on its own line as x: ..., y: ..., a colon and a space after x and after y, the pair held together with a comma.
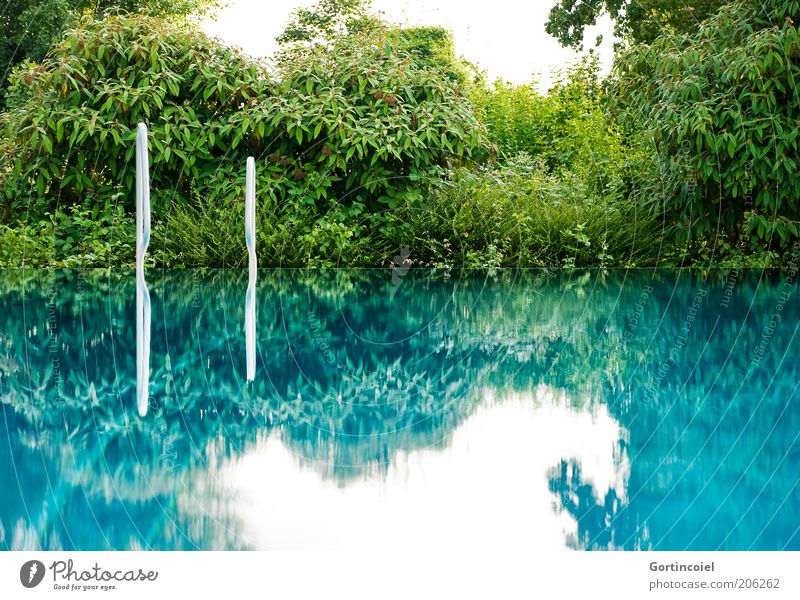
x: 523, y: 410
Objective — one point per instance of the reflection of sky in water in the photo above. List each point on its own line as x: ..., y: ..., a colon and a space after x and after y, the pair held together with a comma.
x: 487, y: 488
x: 517, y: 410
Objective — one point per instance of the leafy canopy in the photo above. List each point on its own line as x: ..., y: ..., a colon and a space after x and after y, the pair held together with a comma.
x: 636, y: 20
x: 327, y: 20
x: 567, y: 127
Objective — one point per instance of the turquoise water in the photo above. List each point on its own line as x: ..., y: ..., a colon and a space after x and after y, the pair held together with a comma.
x: 587, y: 410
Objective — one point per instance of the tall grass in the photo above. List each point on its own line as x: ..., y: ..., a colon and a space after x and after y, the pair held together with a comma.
x: 522, y: 215
x: 211, y: 234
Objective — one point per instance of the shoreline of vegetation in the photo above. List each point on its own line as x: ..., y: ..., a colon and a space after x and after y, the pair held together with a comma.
x: 376, y: 143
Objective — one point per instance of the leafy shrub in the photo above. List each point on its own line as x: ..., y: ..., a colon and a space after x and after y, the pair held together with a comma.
x: 73, y: 139
x: 719, y: 254
x: 639, y: 21
x: 433, y: 48
x: 720, y: 106
x: 29, y: 29
x: 516, y: 117
x: 517, y: 215
x: 364, y: 123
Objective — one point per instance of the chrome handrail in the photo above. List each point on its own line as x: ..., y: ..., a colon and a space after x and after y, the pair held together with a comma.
x: 142, y: 293
x: 250, y: 240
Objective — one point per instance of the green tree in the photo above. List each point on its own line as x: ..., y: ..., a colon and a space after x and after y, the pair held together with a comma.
x: 637, y: 20
x: 327, y: 21
x: 434, y: 48
x: 29, y: 29
x: 720, y: 108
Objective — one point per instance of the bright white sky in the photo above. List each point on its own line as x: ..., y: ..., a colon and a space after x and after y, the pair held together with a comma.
x: 505, y: 37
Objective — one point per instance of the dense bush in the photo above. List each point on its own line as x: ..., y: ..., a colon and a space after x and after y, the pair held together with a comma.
x: 432, y: 48
x: 371, y: 124
x: 518, y: 214
x: 73, y: 237
x: 69, y: 136
x: 720, y: 107
x: 362, y: 126
x: 370, y: 139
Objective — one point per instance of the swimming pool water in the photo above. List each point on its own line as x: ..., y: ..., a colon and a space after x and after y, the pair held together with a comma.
x: 518, y: 409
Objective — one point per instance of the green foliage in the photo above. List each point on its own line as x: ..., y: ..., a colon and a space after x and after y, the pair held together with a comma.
x: 210, y: 234
x: 363, y: 126
x: 337, y: 135
x: 567, y: 127
x: 73, y: 237
x: 516, y: 117
x: 518, y: 215
x: 640, y: 21
x: 181, y: 9
x: 29, y: 29
x: 432, y: 48
x: 523, y: 215
x: 720, y: 108
x: 327, y: 20
x: 720, y: 254
x: 72, y: 141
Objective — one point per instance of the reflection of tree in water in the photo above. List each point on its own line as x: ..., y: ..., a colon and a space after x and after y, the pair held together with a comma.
x: 347, y: 418
x: 578, y: 497
x: 351, y: 371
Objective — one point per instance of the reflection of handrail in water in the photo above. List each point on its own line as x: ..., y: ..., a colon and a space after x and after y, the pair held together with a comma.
x: 250, y: 239
x: 142, y: 293
x: 142, y: 345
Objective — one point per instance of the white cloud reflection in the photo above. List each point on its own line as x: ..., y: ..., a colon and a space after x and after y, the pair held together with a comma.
x: 487, y: 488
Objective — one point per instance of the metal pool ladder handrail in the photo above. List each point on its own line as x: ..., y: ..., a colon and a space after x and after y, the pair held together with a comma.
x: 142, y: 196
x: 143, y: 315
x: 250, y: 240
x: 142, y: 293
